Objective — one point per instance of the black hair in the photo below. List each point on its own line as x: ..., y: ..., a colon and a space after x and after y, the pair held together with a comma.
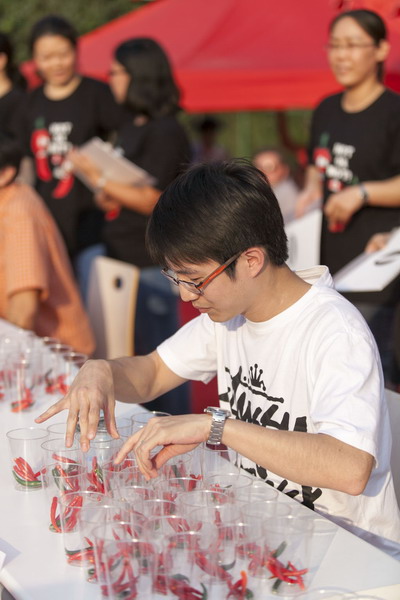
x: 53, y: 25
x: 12, y: 71
x: 152, y: 90
x: 214, y: 211
x: 371, y: 23
x: 10, y: 152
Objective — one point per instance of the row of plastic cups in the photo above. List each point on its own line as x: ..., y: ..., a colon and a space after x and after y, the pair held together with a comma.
x: 68, y: 475
x: 41, y: 366
x: 282, y: 556
x: 37, y: 447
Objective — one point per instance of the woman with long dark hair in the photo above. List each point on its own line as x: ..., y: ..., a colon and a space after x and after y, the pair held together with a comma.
x: 12, y: 85
x: 151, y: 136
x: 67, y: 110
x: 355, y: 157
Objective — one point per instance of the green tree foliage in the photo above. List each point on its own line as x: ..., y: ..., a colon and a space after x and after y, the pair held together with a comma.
x: 18, y: 16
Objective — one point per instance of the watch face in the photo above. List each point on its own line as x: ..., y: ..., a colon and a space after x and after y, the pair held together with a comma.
x: 216, y: 410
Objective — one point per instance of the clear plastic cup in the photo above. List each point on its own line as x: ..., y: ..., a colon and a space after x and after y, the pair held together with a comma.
x: 26, y: 457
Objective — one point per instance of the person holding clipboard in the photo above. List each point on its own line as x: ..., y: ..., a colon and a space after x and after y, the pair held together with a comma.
x: 142, y: 82
x: 354, y: 159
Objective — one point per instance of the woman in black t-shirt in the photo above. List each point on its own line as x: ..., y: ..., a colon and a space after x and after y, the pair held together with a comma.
x: 67, y: 110
x: 354, y: 158
x: 151, y: 137
x: 12, y: 87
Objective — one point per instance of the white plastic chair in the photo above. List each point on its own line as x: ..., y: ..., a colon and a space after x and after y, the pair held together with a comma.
x: 393, y: 400
x: 112, y: 295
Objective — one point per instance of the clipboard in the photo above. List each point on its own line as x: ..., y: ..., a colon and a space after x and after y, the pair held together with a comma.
x: 371, y: 272
x: 113, y: 165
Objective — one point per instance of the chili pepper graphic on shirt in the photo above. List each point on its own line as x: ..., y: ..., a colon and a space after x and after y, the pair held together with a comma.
x: 50, y: 146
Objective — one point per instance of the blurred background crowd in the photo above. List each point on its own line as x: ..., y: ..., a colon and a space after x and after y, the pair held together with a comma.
x: 121, y: 83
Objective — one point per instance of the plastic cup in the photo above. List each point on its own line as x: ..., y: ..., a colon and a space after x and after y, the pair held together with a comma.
x: 55, y: 451
x: 55, y: 377
x: 178, y: 466
x: 140, y: 419
x: 187, y: 501
x: 57, y: 430
x: 218, y: 459
x: 121, y: 475
x: 168, y: 489
x: 70, y: 505
x: 156, y: 507
x: 89, y: 517
x: 294, y: 550
x: 231, y: 482
x: 59, y: 479
x: 158, y: 528
x: 326, y: 593
x: 26, y: 457
x: 256, y: 513
x: 73, y: 361
x: 21, y: 377
x: 126, y: 565
x: 134, y: 496
x: 99, y: 454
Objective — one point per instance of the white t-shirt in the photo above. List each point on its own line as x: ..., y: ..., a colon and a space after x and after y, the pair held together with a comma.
x: 315, y: 368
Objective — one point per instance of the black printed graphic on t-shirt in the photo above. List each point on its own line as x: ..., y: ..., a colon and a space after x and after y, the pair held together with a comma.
x: 244, y: 397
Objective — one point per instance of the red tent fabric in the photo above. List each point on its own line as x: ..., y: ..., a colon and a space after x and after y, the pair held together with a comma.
x: 240, y: 55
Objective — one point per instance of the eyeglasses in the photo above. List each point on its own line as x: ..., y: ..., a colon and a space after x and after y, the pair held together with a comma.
x: 351, y: 46
x: 198, y: 288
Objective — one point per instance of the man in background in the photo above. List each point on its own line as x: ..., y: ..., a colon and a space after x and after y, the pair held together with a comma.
x: 272, y: 163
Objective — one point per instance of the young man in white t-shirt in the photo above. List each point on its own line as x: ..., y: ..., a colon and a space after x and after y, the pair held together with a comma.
x: 297, y: 367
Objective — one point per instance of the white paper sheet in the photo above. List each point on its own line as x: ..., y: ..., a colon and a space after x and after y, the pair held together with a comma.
x: 371, y: 272
x: 304, y: 240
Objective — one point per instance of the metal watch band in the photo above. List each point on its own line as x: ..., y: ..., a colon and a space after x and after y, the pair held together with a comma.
x: 364, y: 194
x: 217, y: 425
x: 217, y: 428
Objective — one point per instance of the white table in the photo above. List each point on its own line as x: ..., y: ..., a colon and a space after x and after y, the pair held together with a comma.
x: 35, y: 567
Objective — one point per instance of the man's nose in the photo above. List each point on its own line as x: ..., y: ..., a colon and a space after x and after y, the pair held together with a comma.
x: 187, y: 295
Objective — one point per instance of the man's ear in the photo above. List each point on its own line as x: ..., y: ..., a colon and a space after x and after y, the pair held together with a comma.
x: 256, y: 260
x: 7, y: 175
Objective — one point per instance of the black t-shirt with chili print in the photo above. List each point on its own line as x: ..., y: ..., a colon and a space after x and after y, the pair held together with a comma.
x: 349, y: 148
x: 48, y: 129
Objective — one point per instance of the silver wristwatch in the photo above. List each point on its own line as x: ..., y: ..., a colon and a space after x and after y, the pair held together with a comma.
x: 219, y: 416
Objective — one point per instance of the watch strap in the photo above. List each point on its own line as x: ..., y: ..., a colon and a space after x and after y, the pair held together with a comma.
x: 218, y: 419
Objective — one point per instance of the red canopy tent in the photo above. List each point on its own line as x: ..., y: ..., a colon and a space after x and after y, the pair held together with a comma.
x: 240, y: 55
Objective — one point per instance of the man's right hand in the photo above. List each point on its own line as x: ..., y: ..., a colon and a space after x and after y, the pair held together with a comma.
x: 91, y: 391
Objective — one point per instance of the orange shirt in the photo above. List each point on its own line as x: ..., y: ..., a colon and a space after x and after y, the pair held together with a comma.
x: 33, y: 257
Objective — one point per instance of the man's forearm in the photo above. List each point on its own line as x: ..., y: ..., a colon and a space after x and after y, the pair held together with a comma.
x: 139, y: 379
x: 316, y: 460
x: 383, y: 193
